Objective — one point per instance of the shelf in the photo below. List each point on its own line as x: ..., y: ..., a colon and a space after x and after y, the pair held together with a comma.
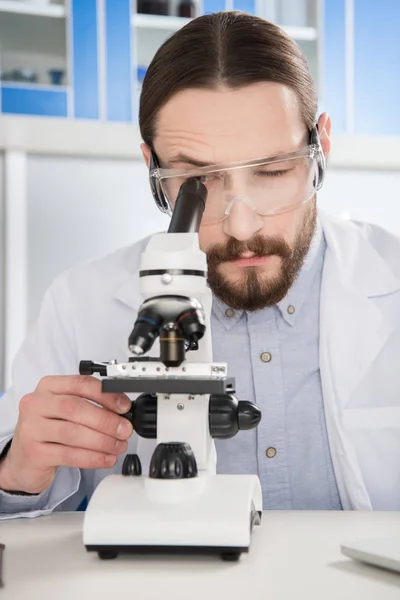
x: 159, y: 22
x: 70, y: 137
x: 301, y: 34
x: 142, y: 21
x: 32, y: 8
x: 164, y: 23
x: 371, y: 152
x: 33, y: 86
x: 74, y: 137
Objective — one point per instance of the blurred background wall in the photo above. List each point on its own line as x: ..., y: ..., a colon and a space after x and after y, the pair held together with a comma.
x: 73, y: 184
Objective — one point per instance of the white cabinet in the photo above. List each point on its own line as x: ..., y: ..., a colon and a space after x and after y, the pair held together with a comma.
x: 94, y: 53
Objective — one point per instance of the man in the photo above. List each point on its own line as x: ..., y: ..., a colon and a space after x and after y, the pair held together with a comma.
x: 306, y: 308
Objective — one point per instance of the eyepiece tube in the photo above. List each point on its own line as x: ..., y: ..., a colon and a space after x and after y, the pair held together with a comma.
x: 189, y: 207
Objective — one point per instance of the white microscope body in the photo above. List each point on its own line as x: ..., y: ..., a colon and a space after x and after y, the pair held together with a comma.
x: 182, y: 505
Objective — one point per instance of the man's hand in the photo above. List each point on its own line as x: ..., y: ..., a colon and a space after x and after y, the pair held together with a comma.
x: 57, y: 426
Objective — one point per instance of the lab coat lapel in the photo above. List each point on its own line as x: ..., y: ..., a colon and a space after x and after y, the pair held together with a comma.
x: 127, y: 291
x: 353, y: 326
x: 353, y: 330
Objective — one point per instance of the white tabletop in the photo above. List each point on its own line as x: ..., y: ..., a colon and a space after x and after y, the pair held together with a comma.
x: 294, y: 555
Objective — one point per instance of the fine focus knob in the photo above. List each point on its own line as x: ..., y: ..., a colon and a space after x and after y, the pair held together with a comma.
x: 173, y: 460
x: 132, y: 465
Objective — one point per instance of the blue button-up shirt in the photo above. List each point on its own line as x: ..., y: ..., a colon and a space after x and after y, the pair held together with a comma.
x: 274, y: 356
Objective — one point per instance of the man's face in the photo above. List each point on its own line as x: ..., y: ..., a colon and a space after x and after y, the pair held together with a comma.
x: 253, y: 260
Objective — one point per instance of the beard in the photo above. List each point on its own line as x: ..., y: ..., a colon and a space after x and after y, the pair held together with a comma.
x: 256, y: 290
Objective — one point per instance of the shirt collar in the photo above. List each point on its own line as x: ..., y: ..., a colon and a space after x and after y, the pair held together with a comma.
x: 225, y: 314
x: 291, y: 305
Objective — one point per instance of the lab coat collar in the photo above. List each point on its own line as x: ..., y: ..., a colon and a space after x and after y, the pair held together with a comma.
x: 361, y: 267
x: 297, y: 294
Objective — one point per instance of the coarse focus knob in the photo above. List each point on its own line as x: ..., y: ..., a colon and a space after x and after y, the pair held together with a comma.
x: 173, y: 460
x: 228, y: 415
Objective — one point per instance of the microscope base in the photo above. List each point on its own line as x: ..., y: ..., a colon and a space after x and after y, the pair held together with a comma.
x: 209, y: 514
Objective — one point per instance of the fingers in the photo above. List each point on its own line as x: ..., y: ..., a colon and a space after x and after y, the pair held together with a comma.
x: 59, y: 455
x: 84, y: 386
x: 78, y: 411
x: 79, y: 436
x: 67, y: 421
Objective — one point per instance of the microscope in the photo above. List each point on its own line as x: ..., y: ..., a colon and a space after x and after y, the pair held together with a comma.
x: 184, y: 402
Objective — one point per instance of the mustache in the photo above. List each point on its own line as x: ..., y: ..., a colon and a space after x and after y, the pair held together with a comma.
x: 259, y: 245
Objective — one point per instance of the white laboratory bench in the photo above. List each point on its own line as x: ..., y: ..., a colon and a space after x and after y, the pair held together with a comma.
x: 294, y: 555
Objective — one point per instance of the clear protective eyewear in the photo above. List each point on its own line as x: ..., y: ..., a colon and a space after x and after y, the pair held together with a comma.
x: 267, y: 186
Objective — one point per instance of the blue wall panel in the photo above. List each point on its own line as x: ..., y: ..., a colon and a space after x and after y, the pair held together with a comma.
x: 27, y: 101
x: 85, y: 59
x: 248, y: 6
x: 334, y: 64
x: 211, y: 6
x: 377, y: 66
x: 119, y: 83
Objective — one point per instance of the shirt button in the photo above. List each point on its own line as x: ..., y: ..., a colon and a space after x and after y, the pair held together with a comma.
x: 291, y: 309
x: 265, y: 357
x: 270, y: 452
x: 229, y: 313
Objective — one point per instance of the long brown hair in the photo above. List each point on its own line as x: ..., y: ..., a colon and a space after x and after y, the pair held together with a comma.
x: 228, y: 48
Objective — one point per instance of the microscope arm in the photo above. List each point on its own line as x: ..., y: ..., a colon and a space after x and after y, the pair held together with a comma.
x: 181, y: 271
x: 189, y: 397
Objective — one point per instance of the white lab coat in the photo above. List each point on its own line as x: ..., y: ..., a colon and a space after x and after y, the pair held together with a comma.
x: 88, y: 313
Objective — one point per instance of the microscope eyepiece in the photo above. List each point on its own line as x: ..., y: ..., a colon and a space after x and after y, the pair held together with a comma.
x: 189, y: 207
